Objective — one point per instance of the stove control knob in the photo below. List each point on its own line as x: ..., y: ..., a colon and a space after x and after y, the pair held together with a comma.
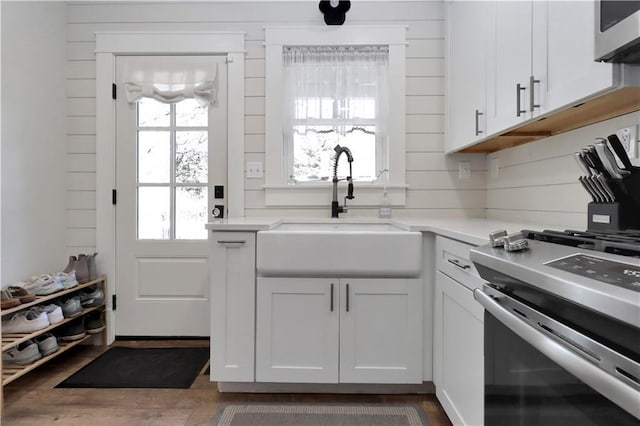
x: 497, y: 237
x: 515, y: 242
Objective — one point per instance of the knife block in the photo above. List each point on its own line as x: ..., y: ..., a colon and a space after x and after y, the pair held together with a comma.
x: 612, y: 216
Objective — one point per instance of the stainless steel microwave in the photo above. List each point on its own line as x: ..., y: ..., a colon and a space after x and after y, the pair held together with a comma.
x: 617, y: 31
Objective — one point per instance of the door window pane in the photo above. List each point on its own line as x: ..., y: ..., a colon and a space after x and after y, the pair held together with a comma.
x: 154, y: 220
x: 190, y: 113
x: 191, y: 213
x: 152, y: 113
x: 191, y: 157
x: 154, y: 157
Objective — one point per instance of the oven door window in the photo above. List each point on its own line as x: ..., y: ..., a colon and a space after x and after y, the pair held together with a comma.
x: 524, y: 387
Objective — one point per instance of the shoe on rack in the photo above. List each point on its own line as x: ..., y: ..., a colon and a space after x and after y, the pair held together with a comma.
x: 23, y: 354
x: 81, y: 266
x: 53, y: 311
x: 8, y: 301
x: 91, y: 266
x: 91, y: 297
x: 71, y: 307
x: 72, y: 331
x: 93, y: 322
x: 47, y: 344
x: 43, y: 285
x: 25, y: 322
x: 19, y: 292
x: 67, y: 279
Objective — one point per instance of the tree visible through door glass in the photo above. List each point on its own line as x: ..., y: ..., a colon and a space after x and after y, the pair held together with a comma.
x: 172, y: 151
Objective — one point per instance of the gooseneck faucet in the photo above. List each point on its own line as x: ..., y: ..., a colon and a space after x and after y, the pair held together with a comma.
x: 336, y: 208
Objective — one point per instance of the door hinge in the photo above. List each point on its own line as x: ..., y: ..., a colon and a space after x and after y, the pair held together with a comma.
x: 113, y: 302
x: 113, y: 90
x: 114, y: 197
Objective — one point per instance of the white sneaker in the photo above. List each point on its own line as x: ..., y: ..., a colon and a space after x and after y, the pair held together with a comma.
x: 54, y: 312
x: 43, y: 285
x: 26, y: 322
x: 67, y: 280
x: 24, y: 353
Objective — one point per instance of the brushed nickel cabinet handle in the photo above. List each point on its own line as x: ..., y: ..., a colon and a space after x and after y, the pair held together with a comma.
x: 478, y: 131
x: 519, y: 90
x: 532, y: 95
x: 456, y: 262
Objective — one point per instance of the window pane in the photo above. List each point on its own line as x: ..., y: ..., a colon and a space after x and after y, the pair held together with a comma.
x: 313, y: 154
x: 191, y: 157
x: 154, y: 157
x: 191, y: 213
x: 154, y: 221
x: 190, y: 113
x: 152, y: 113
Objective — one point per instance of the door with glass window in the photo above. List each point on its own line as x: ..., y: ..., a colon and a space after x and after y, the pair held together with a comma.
x: 170, y: 154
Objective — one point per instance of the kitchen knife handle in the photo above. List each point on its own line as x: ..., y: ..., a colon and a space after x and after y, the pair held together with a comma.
x: 583, y: 166
x: 608, y: 160
x: 617, y: 146
x: 478, y: 131
x: 519, y: 90
x: 532, y: 94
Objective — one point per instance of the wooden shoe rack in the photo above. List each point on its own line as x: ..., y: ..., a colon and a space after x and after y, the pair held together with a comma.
x: 11, y: 372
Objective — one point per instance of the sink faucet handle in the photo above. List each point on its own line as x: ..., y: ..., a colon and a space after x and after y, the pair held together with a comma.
x: 350, y: 189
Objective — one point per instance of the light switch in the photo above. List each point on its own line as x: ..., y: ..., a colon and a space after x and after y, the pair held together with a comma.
x: 255, y: 170
x: 464, y: 170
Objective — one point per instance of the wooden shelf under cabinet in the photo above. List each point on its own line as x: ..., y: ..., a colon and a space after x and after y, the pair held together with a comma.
x: 11, y: 372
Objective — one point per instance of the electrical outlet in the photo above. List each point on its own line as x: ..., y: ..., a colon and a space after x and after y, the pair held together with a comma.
x: 494, y: 166
x: 255, y: 170
x: 464, y: 170
x: 629, y: 138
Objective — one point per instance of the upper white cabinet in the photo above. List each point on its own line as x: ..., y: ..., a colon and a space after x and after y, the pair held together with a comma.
x: 323, y: 330
x: 469, y: 25
x: 536, y: 58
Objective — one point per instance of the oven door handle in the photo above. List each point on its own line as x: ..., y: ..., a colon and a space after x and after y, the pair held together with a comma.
x: 611, y: 387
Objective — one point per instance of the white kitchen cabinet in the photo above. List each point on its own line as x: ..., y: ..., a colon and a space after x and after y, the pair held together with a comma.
x: 297, y: 330
x: 468, y: 29
x: 458, y: 358
x: 232, y: 272
x: 370, y: 328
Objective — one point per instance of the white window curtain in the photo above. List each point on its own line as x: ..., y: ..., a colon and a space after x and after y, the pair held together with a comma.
x: 171, y: 79
x: 331, y: 81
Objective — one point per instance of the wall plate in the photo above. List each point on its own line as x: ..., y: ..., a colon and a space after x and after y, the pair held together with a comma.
x: 629, y: 138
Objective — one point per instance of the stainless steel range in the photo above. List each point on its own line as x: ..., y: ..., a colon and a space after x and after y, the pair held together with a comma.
x: 562, y: 329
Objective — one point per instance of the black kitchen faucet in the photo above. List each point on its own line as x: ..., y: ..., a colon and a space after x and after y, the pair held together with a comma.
x: 335, y: 207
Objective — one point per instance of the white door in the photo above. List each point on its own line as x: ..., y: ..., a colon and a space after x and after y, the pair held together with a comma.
x: 380, y: 330
x: 169, y: 157
x: 297, y: 330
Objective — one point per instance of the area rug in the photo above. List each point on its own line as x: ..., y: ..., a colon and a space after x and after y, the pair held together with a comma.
x: 141, y: 368
x: 251, y: 414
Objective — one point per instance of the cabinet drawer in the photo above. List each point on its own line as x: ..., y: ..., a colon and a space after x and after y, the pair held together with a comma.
x: 452, y: 259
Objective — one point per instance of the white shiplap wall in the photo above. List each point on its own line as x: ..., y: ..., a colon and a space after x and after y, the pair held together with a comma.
x: 538, y: 181
x: 432, y: 177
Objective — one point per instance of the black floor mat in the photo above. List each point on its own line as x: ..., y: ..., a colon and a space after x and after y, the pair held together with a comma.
x: 141, y: 368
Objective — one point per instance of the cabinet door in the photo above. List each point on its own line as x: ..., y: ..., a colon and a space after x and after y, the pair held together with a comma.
x: 458, y: 360
x: 232, y: 277
x: 509, y: 66
x: 563, y: 59
x: 297, y: 330
x: 381, y: 331
x: 468, y: 33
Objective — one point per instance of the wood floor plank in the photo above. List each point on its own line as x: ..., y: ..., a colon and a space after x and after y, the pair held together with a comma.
x: 33, y: 398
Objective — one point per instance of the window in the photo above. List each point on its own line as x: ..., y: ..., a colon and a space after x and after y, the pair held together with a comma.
x: 335, y: 95
x: 172, y: 170
x: 328, y: 86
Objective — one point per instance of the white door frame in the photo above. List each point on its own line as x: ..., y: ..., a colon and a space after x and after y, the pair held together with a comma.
x: 112, y: 44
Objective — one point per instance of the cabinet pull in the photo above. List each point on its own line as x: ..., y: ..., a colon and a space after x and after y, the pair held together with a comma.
x: 478, y: 131
x: 331, y: 297
x: 347, y: 297
x: 519, y: 89
x: 232, y: 241
x: 532, y: 95
x: 456, y: 262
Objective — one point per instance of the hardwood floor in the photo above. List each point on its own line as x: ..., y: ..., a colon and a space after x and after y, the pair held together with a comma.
x: 33, y: 400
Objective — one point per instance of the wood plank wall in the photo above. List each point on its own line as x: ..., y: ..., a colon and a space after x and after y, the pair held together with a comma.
x: 434, y: 188
x: 538, y: 181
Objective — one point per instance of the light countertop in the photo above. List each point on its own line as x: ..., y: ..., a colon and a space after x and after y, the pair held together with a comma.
x: 473, y: 231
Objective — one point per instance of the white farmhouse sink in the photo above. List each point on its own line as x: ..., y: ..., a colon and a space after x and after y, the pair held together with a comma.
x: 339, y: 250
